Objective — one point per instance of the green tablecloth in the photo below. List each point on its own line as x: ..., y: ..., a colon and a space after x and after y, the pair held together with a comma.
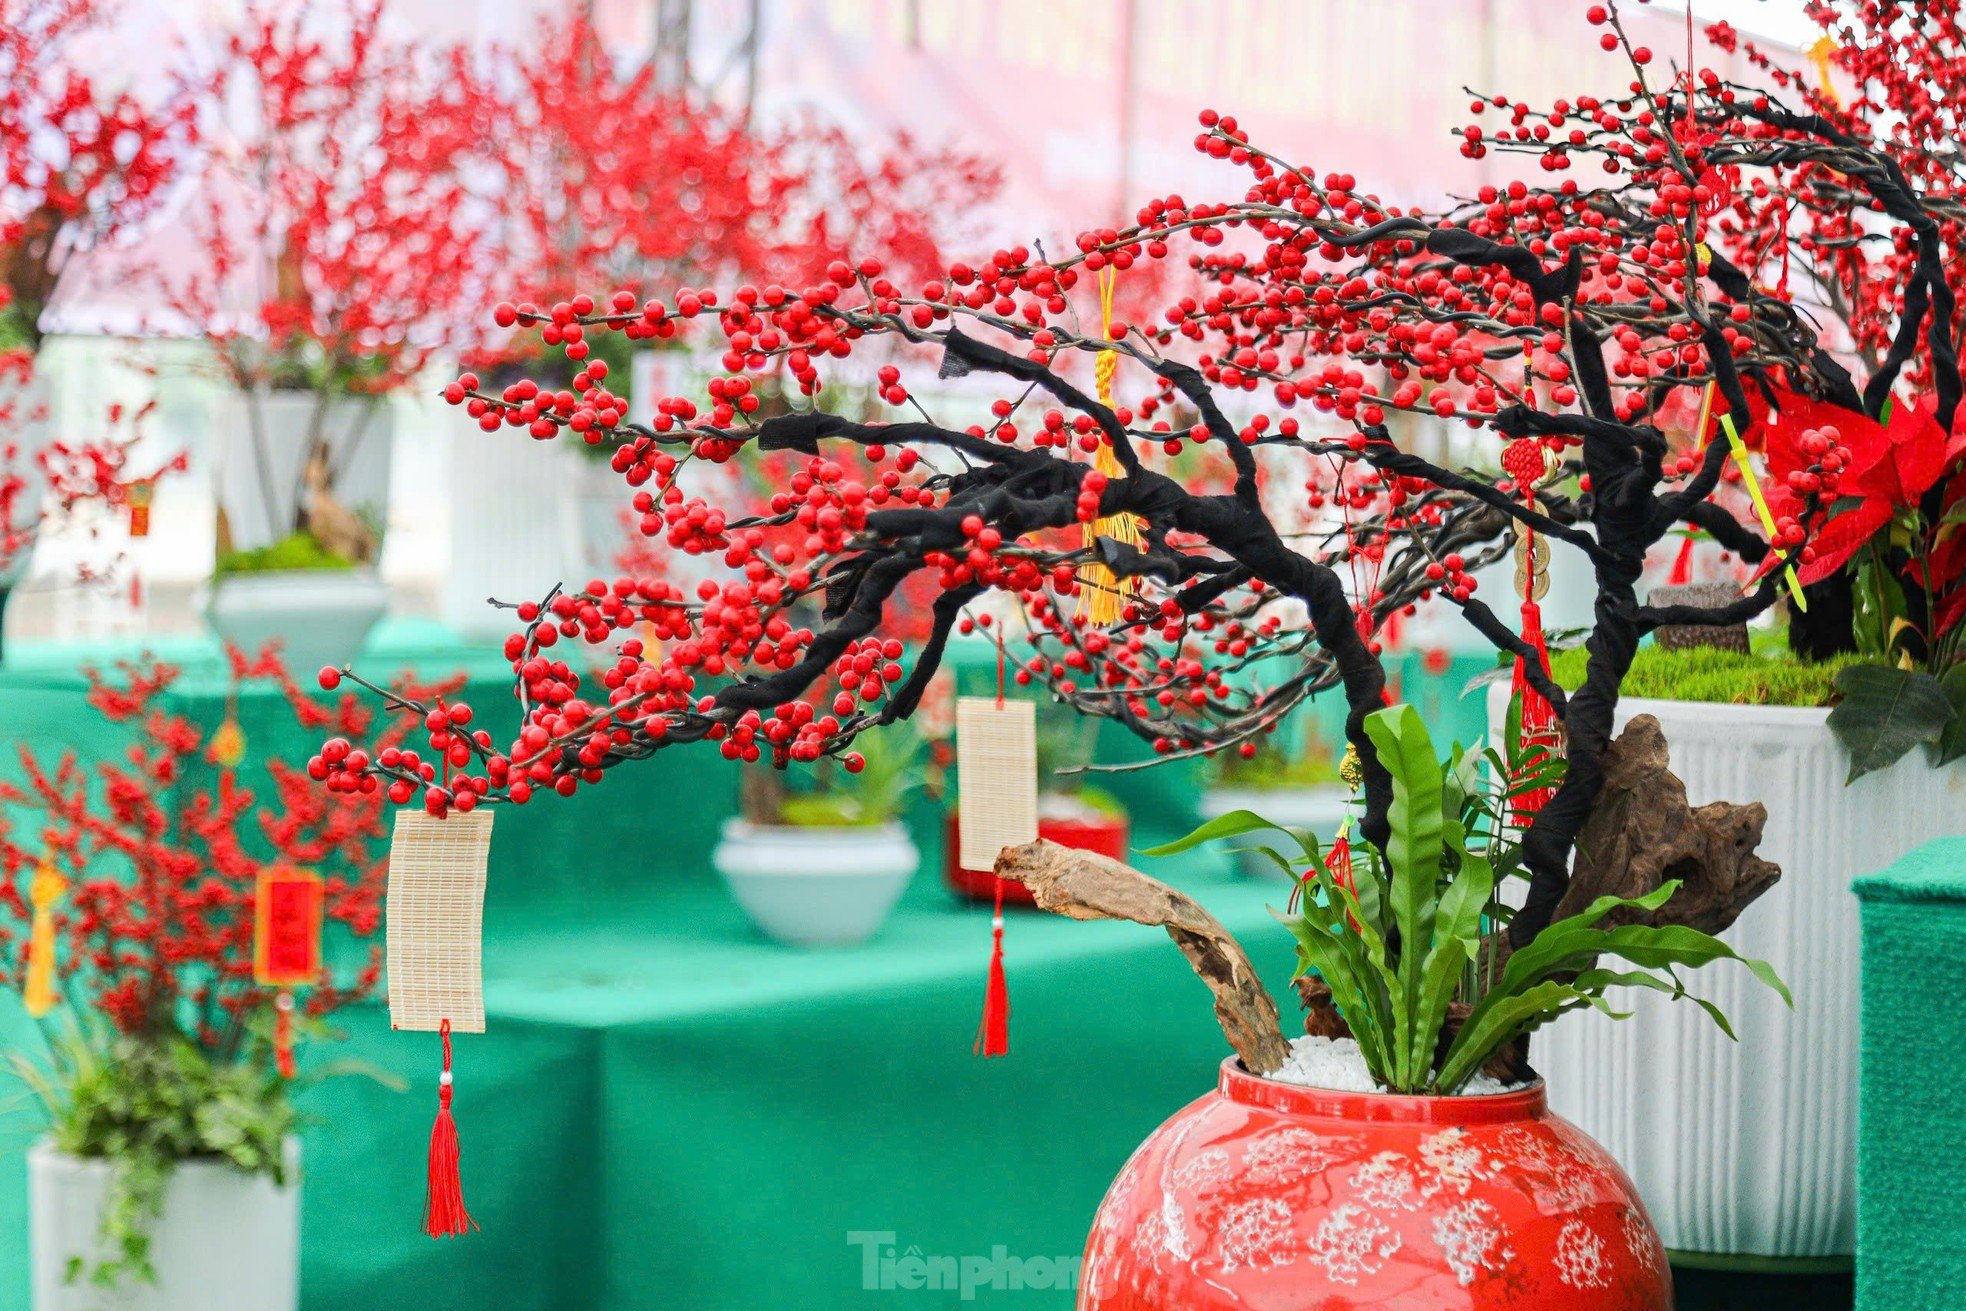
x: 669, y: 1112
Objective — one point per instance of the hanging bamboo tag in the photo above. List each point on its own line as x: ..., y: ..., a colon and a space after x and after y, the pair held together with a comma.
x: 996, y: 777
x: 435, y: 913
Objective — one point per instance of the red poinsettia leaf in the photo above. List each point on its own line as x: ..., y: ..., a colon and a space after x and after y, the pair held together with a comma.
x: 1778, y: 430
x: 1843, y: 536
x: 1920, y: 452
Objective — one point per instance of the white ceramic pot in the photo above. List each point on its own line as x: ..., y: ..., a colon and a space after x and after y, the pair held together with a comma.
x: 816, y: 887
x: 320, y: 616
x: 223, y: 1239
x: 361, y: 431
x: 1749, y: 1148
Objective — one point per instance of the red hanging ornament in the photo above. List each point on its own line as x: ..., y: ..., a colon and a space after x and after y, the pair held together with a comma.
x: 1527, y: 463
x: 139, y: 495
x: 287, y: 914
x: 1537, y: 729
x: 444, y: 1215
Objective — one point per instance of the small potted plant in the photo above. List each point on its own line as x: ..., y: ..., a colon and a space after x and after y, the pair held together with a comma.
x: 823, y: 866
x: 80, y: 166
x: 170, y: 1174
x: 1072, y: 811
x: 334, y: 219
x: 1290, y: 776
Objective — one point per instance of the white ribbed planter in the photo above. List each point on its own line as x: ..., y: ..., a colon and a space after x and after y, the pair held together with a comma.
x: 361, y: 431
x: 224, y: 1240
x: 816, y: 887
x: 1749, y: 1148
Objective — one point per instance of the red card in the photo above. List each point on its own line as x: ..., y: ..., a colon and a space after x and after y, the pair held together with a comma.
x: 287, y: 927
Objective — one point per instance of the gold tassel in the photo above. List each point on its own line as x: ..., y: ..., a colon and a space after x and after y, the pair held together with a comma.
x: 1103, y: 596
x: 44, y: 891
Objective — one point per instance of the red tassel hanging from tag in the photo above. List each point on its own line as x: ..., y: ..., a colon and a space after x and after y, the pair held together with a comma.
x: 444, y: 1215
x: 283, y: 1034
x: 993, y: 1035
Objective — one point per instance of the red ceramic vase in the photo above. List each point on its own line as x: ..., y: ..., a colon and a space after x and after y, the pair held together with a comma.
x: 1264, y: 1196
x: 1107, y: 836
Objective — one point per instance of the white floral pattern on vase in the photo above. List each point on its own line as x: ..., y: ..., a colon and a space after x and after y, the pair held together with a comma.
x: 1267, y: 1195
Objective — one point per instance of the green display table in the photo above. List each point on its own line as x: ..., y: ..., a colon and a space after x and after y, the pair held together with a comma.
x: 1911, y: 1223
x: 667, y: 1111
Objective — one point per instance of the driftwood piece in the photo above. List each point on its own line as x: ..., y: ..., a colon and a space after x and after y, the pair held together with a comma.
x: 335, y: 526
x: 1084, y: 885
x: 1642, y: 833
x: 1708, y: 596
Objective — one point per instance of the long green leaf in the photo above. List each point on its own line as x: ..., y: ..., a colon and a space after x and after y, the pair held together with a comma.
x: 1346, y: 974
x: 1575, y: 935
x: 1388, y: 1011
x: 1233, y: 824
x: 1498, y: 1017
x: 1457, y: 941
x: 1413, y: 850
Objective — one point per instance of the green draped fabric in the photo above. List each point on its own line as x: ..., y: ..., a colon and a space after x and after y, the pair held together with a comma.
x: 668, y: 1111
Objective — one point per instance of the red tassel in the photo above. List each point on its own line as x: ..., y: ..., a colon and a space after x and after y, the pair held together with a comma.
x: 1682, y: 565
x: 993, y: 1035
x: 283, y: 1034
x: 1538, y: 726
x: 444, y: 1215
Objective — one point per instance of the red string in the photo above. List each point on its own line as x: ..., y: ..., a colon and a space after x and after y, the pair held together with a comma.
x: 283, y: 1034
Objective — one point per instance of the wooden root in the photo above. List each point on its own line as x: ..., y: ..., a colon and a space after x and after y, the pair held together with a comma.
x: 1084, y: 885
x: 1642, y: 833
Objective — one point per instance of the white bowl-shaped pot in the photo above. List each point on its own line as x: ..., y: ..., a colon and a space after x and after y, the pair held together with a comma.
x: 816, y: 887
x: 1749, y: 1148
x: 320, y: 616
x: 223, y: 1238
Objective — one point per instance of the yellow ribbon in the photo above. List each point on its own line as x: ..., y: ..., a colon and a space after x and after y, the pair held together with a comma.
x: 44, y: 891
x: 1104, y: 596
x: 1740, y: 452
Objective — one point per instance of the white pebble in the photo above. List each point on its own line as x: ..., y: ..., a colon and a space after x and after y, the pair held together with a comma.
x: 1335, y: 1064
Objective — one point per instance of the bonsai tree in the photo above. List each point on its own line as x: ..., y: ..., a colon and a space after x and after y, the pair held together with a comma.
x: 128, y: 905
x: 336, y: 218
x: 1557, y: 320
x: 79, y: 165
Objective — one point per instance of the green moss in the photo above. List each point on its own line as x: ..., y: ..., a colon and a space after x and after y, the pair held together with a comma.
x: 1101, y: 801
x: 1709, y: 674
x: 828, y: 810
x: 299, y: 551
x: 1270, y: 771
